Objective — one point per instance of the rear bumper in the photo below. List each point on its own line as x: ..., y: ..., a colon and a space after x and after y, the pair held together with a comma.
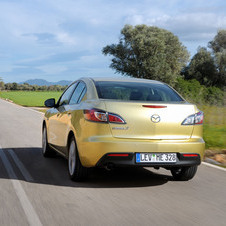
x: 93, y: 151
x: 130, y: 160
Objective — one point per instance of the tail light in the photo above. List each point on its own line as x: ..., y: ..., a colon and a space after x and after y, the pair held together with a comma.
x: 115, y: 118
x: 196, y: 119
x: 97, y: 115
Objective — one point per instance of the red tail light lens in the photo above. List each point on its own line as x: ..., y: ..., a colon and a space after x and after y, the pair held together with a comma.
x: 196, y: 119
x: 97, y: 115
x: 115, y: 118
x: 199, y: 117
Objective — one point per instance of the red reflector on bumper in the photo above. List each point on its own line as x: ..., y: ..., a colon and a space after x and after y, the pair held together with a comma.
x: 190, y: 155
x: 118, y: 155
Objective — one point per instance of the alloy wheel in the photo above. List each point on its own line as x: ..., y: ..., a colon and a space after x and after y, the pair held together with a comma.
x: 72, y: 158
x: 44, y: 141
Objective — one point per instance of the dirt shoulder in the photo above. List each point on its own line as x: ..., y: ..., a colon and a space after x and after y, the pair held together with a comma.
x: 217, y: 157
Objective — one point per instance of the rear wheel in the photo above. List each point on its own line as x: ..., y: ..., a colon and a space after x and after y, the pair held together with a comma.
x: 46, y: 150
x: 76, y: 171
x: 184, y: 173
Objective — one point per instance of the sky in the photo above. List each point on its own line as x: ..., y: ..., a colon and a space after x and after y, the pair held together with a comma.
x: 63, y: 39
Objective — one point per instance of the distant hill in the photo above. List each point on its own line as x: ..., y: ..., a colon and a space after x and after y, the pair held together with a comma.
x: 43, y: 82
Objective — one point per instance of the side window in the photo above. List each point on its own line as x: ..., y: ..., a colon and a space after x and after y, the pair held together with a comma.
x: 64, y: 100
x: 82, y: 95
x: 78, y: 93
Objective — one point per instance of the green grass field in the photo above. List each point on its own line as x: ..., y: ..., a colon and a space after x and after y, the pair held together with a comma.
x: 214, y: 117
x: 29, y: 98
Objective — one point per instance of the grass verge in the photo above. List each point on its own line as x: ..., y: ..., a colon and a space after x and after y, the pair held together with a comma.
x: 29, y: 98
x: 214, y: 132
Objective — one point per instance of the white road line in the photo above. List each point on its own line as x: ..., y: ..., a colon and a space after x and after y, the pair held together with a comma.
x: 214, y: 166
x: 32, y: 217
x: 27, y: 108
x: 21, y: 166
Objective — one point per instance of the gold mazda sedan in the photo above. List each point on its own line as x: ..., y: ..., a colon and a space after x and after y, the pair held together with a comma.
x: 110, y: 122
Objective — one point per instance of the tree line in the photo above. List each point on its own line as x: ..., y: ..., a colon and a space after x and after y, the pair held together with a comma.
x: 27, y: 87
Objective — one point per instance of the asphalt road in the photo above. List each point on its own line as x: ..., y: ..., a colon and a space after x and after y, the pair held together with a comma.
x: 37, y: 191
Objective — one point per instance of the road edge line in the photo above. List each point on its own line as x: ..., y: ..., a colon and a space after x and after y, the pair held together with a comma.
x: 213, y: 166
x: 20, y: 166
x: 29, y: 108
x: 29, y: 211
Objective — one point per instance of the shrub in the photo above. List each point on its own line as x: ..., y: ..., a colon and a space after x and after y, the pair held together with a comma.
x: 194, y: 92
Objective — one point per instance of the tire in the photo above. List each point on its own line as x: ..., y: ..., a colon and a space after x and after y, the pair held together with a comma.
x: 76, y: 171
x: 46, y: 150
x: 184, y: 173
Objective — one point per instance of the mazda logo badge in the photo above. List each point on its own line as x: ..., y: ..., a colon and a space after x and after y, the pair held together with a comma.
x: 155, y: 118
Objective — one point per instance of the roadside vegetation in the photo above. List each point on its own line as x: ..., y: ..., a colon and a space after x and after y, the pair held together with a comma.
x: 214, y: 126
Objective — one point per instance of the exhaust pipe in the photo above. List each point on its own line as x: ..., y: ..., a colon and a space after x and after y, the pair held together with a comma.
x: 110, y: 166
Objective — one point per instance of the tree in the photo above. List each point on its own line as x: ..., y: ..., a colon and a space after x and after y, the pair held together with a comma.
x: 8, y: 86
x: 14, y: 86
x: 2, y: 85
x: 148, y: 52
x: 218, y: 46
x: 219, y: 42
x: 202, y: 68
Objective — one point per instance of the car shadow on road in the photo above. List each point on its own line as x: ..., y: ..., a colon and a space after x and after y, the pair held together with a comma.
x: 53, y: 171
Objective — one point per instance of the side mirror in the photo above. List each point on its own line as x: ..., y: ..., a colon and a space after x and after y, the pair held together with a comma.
x: 50, y: 103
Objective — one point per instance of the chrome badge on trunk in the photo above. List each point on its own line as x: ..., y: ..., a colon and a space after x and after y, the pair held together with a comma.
x: 155, y: 118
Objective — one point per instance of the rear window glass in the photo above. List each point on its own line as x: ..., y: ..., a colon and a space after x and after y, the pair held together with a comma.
x: 136, y: 91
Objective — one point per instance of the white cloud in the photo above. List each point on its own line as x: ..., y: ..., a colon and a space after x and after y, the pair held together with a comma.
x: 66, y: 38
x: 184, y: 24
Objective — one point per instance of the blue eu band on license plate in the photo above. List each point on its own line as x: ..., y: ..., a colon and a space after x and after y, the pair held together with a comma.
x: 137, y: 157
x: 155, y: 157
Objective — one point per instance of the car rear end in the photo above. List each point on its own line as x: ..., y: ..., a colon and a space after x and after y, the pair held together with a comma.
x: 140, y: 123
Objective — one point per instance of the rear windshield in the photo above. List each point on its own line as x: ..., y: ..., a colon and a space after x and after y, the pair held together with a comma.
x: 136, y: 91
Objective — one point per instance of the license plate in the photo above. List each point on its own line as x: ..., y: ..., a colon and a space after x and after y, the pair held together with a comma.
x: 155, y: 157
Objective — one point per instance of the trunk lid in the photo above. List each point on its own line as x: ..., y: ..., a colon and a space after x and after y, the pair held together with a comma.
x: 142, y: 122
